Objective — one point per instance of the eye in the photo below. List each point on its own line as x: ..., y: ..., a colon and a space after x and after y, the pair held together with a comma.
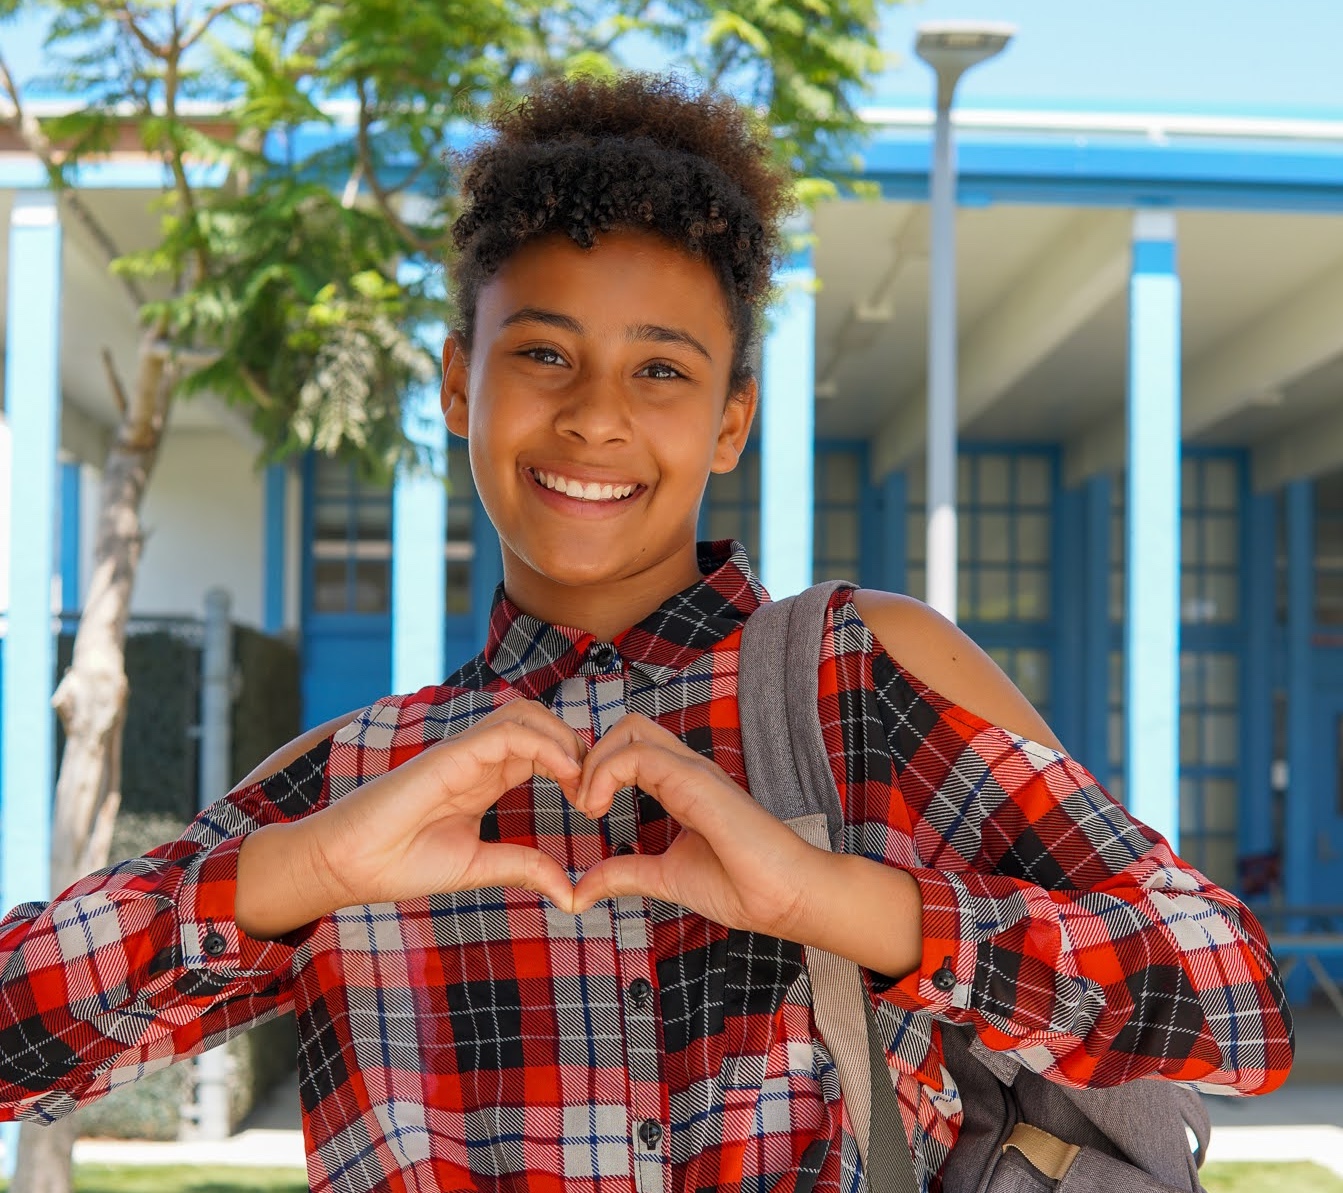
x: 543, y: 355
x: 659, y: 371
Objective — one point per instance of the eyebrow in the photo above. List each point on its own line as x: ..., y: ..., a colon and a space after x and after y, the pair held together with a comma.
x: 656, y: 332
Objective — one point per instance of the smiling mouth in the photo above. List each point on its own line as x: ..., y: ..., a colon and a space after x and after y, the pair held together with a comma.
x: 584, y: 490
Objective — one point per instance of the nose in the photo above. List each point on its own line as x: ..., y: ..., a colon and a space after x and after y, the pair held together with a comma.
x: 596, y: 410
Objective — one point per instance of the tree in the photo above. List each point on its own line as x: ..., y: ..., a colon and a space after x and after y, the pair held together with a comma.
x: 318, y: 165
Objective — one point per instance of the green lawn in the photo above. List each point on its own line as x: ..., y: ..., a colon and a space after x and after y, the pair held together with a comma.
x: 123, y: 1178
x: 1270, y: 1178
x: 117, y: 1178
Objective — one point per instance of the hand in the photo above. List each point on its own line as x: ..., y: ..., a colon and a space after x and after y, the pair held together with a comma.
x: 416, y: 830
x: 732, y: 862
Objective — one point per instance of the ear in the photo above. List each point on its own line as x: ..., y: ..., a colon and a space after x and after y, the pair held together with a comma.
x: 735, y: 427
x: 456, y: 382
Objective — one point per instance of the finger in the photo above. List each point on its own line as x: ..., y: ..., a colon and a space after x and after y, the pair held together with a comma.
x: 539, y: 717
x: 637, y: 874
x: 630, y: 729
x: 695, y: 793
x: 520, y: 866
x: 464, y: 762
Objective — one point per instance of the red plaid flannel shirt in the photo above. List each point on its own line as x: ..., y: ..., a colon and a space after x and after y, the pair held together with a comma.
x: 486, y: 1041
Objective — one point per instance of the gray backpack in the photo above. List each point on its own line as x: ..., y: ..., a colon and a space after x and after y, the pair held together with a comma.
x: 1020, y: 1133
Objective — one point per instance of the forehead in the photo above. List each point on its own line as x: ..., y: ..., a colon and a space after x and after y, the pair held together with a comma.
x: 626, y: 277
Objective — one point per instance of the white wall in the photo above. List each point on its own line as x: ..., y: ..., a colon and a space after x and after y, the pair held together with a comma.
x: 203, y: 518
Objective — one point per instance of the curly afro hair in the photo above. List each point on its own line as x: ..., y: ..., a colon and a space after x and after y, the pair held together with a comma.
x: 586, y: 156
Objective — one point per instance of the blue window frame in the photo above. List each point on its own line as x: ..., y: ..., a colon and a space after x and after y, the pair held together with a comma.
x: 1213, y: 485
x: 1006, y: 501
x: 845, y: 510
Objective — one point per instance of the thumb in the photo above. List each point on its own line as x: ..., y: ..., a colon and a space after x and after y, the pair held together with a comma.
x: 634, y: 874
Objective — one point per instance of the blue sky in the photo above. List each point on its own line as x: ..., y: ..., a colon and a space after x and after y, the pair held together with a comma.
x: 1269, y: 57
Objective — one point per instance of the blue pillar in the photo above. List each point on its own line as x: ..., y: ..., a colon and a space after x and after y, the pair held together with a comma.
x: 1299, y: 835
x: 1258, y: 545
x: 894, y: 531
x: 1096, y: 627
x: 1152, y: 574
x: 787, y: 436
x: 419, y: 536
x: 276, y: 519
x: 71, y: 487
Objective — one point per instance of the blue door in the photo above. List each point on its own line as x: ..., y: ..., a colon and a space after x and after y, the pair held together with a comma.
x: 1327, y: 822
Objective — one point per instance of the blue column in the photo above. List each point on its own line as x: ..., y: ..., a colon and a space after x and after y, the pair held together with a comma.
x: 1298, y: 838
x: 894, y: 531
x: 1152, y: 575
x: 419, y: 535
x: 1096, y: 628
x: 71, y: 487
x: 787, y: 436
x: 1258, y: 546
x: 33, y: 405
x: 276, y: 549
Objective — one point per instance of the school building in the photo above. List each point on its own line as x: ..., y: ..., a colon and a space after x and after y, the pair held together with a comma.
x: 1149, y: 267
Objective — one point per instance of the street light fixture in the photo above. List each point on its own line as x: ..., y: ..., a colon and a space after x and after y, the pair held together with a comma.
x: 950, y: 48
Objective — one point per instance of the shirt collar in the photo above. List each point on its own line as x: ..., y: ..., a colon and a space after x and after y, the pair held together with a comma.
x: 535, y: 657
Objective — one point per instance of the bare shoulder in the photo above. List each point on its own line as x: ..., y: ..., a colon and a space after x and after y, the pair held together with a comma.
x: 297, y: 748
x: 945, y: 658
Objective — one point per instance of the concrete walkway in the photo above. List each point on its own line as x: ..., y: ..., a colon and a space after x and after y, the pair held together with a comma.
x: 1301, y: 1121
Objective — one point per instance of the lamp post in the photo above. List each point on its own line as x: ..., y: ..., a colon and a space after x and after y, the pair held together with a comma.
x: 950, y: 48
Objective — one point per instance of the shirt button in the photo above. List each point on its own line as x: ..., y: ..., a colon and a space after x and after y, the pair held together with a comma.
x: 605, y: 655
x: 214, y: 944
x: 640, y: 992
x: 624, y: 849
x: 944, y: 979
x: 650, y: 1131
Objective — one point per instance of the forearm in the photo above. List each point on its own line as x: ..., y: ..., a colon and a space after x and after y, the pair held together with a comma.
x: 864, y: 911
x: 284, y: 881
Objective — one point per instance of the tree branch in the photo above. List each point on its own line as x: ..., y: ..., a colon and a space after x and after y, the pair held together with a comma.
x: 30, y: 132
x: 114, y: 383
x: 202, y: 26
x: 384, y: 201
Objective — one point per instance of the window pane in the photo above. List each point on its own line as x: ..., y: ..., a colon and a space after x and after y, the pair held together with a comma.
x: 1191, y: 679
x: 1033, y: 480
x: 840, y: 532
x: 329, y: 593
x: 1221, y: 545
x: 916, y: 532
x: 1219, y: 860
x: 1219, y: 805
x: 1221, y: 679
x: 371, y: 586
x: 1031, y: 675
x: 995, y: 544
x: 1329, y: 598
x: 1190, y: 553
x: 1221, y: 596
x: 993, y: 480
x: 840, y: 477
x: 994, y: 596
x: 1219, y: 485
x: 458, y: 587
x: 1032, y: 538
x: 1032, y: 594
x: 1221, y: 734
x: 1190, y: 809
x: 1190, y: 727
x: 914, y: 583
x: 1189, y: 486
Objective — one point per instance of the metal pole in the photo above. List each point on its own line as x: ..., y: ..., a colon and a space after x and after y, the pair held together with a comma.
x: 211, y: 1111
x: 942, y: 365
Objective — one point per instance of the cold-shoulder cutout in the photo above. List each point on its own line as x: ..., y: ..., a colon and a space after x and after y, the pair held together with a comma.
x: 947, y: 660
x: 298, y: 747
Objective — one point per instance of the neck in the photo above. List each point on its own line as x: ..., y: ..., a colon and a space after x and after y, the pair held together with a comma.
x: 604, y: 608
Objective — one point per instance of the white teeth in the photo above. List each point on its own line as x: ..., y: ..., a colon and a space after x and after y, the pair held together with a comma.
x: 583, y: 492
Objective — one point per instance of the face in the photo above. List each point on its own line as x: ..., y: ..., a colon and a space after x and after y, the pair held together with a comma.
x: 595, y: 402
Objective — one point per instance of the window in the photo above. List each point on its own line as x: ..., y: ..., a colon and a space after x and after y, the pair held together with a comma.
x: 1329, y: 549
x: 1005, y: 521
x: 836, y: 548
x: 1209, y: 761
x: 351, y: 542
x: 732, y: 509
x: 1209, y: 542
x: 732, y: 505
x: 352, y: 538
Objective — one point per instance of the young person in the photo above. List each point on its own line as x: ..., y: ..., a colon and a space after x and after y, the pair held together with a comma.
x: 536, y: 933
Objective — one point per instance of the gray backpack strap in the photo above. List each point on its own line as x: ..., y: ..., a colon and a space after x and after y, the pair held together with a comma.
x: 788, y: 770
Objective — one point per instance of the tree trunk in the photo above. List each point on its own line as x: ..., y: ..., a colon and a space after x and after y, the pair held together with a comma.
x: 91, y: 698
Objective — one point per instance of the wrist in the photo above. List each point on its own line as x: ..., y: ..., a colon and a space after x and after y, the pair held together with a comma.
x: 864, y: 911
